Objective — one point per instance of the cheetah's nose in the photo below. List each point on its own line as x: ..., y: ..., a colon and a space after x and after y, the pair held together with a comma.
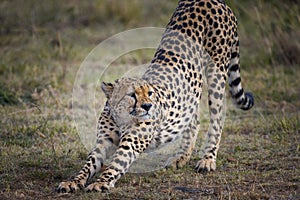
x: 146, y: 106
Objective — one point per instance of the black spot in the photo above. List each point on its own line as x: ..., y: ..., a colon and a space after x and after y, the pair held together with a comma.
x: 177, y: 49
x: 204, y: 42
x: 125, y: 147
x: 213, y: 110
x: 216, y: 95
x: 222, y: 84
x: 220, y: 20
x: 195, y: 25
x: 129, y: 154
x: 226, y: 19
x: 222, y: 40
x: 193, y: 16
x: 180, y: 37
x: 188, y: 31
x: 213, y: 11
x: 171, y: 113
x: 195, y: 74
x: 174, y: 59
x: 220, y: 11
x: 208, y: 5
x: 199, y: 18
x: 216, y: 25
x: 170, y: 53
x: 209, y: 44
x: 169, y: 139
x: 214, y: 39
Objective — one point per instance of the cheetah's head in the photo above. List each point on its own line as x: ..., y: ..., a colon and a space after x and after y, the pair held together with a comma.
x: 130, y: 100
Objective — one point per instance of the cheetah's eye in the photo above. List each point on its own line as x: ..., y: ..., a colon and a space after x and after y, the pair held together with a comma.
x: 150, y: 93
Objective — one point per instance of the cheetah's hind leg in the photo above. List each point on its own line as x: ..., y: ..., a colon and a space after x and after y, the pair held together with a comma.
x: 216, y: 94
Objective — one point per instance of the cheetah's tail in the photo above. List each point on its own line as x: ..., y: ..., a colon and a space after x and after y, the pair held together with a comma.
x: 243, y: 100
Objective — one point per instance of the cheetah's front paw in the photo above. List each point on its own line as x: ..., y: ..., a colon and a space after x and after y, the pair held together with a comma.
x: 205, y: 165
x: 97, y: 187
x: 69, y: 186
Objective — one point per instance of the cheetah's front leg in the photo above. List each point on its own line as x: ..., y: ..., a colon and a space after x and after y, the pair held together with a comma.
x: 108, y: 137
x: 131, y: 145
x: 93, y: 165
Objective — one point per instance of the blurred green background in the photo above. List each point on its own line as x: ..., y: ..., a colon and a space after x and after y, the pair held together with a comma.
x: 41, y: 39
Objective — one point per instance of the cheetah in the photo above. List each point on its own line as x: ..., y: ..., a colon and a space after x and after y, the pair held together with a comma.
x: 200, y: 43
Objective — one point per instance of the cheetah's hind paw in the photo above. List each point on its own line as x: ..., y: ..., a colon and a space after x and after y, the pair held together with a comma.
x: 177, y: 162
x: 205, y: 165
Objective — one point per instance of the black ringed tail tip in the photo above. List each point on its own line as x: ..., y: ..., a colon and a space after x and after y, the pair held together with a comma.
x: 249, y: 101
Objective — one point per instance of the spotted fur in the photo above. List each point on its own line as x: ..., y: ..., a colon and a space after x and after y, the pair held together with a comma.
x: 200, y: 42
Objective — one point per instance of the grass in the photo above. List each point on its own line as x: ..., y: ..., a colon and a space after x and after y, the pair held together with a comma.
x: 42, y: 47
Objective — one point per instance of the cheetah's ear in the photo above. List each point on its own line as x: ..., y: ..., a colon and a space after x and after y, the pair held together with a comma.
x: 107, y: 88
